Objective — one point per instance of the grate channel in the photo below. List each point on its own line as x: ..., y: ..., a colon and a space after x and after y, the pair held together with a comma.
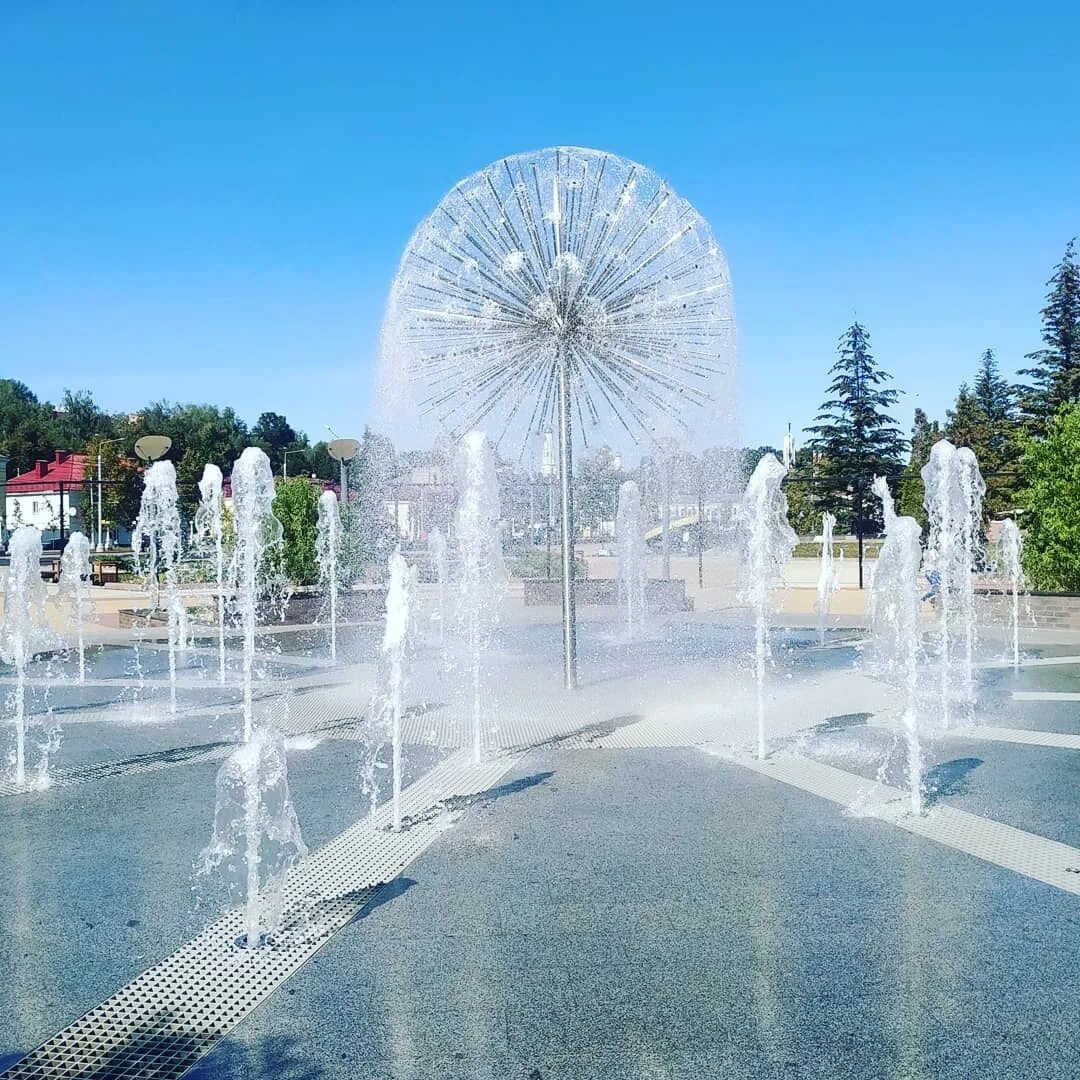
x: 161, y: 1023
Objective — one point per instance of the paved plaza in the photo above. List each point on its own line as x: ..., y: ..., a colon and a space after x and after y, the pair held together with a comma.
x: 619, y: 889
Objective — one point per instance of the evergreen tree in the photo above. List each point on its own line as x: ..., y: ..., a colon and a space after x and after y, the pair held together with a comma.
x: 966, y: 424
x: 924, y: 433
x: 984, y: 419
x: 855, y: 438
x: 995, y: 396
x: 1055, y: 370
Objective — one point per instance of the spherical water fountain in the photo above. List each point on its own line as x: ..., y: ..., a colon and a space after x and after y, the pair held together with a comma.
x: 565, y: 288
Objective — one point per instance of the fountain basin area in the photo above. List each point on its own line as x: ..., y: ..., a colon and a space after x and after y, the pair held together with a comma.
x: 619, y: 888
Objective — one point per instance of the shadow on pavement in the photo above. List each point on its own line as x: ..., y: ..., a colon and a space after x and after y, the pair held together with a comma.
x: 948, y: 778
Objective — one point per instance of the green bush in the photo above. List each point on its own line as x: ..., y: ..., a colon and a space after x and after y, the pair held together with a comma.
x: 533, y: 564
x: 1051, y: 469
x: 296, y: 506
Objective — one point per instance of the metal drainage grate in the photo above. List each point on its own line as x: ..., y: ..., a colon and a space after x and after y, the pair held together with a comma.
x: 160, y: 1024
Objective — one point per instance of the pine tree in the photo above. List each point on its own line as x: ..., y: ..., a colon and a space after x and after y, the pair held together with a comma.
x: 984, y: 419
x: 966, y: 423
x: 995, y: 396
x: 924, y: 433
x: 1055, y: 370
x: 855, y: 437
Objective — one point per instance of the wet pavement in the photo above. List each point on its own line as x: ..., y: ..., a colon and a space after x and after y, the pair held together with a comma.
x: 607, y: 913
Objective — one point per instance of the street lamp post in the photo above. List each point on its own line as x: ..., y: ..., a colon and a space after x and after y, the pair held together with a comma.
x: 285, y: 461
x: 343, y: 451
x: 101, y: 490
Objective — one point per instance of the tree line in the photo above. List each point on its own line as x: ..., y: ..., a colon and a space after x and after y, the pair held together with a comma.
x: 1026, y: 436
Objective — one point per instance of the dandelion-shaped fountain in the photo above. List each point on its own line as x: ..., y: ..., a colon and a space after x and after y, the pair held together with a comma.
x: 75, y: 573
x: 563, y: 289
x: 770, y: 541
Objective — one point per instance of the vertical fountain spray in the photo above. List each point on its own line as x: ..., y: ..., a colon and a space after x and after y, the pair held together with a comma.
x: 256, y: 838
x: 894, y: 618
x: 209, y: 523
x: 1011, y: 566
x: 770, y: 541
x: 953, y: 498
x: 437, y: 547
x: 632, y: 555
x: 972, y: 490
x: 75, y: 573
x: 328, y: 554
x: 156, y: 544
x: 24, y: 632
x: 258, y: 532
x: 483, y: 576
x: 395, y: 633
x: 827, y: 582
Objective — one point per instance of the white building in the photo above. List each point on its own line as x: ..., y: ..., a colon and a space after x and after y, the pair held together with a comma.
x: 50, y: 496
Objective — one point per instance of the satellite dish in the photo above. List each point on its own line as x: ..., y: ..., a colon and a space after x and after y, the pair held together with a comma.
x: 343, y: 449
x: 152, y: 447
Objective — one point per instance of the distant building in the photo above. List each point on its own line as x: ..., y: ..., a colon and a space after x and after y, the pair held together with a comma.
x: 49, y: 496
x: 418, y: 501
x: 3, y: 499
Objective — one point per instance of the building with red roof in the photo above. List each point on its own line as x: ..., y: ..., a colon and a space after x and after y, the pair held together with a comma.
x: 50, y: 496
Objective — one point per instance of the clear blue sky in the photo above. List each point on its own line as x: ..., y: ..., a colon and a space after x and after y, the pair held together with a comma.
x: 207, y: 200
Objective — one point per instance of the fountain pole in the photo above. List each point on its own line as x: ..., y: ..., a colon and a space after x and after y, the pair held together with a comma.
x: 566, y: 465
x: 566, y: 484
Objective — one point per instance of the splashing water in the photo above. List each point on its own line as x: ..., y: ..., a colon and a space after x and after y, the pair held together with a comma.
x: 256, y: 838
x: 75, y: 573
x: 395, y: 634
x: 954, y: 491
x: 24, y: 632
x: 208, y: 522
x: 436, y: 544
x: 632, y: 557
x: 828, y: 579
x: 894, y: 619
x: 1011, y: 566
x: 258, y: 533
x: 770, y: 541
x: 880, y: 488
x: 328, y: 554
x: 483, y: 576
x: 156, y: 543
